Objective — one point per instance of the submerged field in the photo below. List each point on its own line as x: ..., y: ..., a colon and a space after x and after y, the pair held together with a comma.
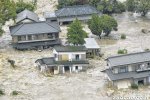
x: 90, y: 85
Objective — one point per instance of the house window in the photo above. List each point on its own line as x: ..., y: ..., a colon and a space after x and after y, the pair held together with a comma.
x: 36, y: 37
x: 77, y: 57
x: 50, y: 35
x: 55, y: 55
x: 148, y: 64
x: 19, y: 38
x: 29, y: 37
x: 76, y: 67
x: 123, y: 69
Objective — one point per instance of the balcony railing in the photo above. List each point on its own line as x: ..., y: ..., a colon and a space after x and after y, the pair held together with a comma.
x: 35, y: 40
x: 143, y: 69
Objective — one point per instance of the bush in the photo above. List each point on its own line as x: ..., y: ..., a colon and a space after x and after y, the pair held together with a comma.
x: 147, y: 49
x: 122, y: 51
x: 123, y: 36
x: 1, y: 92
x: 119, y: 7
x: 12, y: 63
x: 134, y: 86
x: 15, y: 92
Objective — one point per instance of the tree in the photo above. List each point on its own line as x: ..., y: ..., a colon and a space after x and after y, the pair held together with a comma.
x: 131, y: 5
x: 105, y: 24
x: 143, y: 6
x: 118, y: 7
x: 7, y: 11
x: 94, y: 2
x: 76, y: 34
x: 63, y: 3
x: 95, y: 25
x: 20, y: 6
x: 109, y: 24
x: 109, y: 7
x: 105, y: 6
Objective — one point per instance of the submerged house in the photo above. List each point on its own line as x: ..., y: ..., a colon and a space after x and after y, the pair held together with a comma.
x: 93, y: 49
x: 70, y: 13
x: 128, y: 69
x: 65, y: 59
x: 27, y: 16
x: 35, y: 35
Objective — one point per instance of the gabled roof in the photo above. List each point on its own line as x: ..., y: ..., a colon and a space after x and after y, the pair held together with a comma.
x: 35, y: 28
x: 128, y: 75
x: 129, y: 58
x: 70, y: 48
x: 76, y: 10
x: 47, y: 61
x: 90, y: 43
x: 26, y: 14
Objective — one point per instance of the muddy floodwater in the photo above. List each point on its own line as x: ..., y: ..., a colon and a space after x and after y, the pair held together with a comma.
x: 90, y: 85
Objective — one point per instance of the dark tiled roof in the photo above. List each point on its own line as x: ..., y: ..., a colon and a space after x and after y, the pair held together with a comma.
x: 76, y: 10
x: 47, y: 61
x: 30, y: 45
x: 26, y: 14
x: 52, y: 62
x: 35, y: 28
x: 129, y: 59
x: 127, y: 75
x: 70, y: 48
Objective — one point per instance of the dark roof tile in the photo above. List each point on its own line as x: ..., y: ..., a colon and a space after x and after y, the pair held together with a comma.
x: 70, y: 48
x: 26, y: 14
x: 76, y: 10
x: 35, y: 28
x: 129, y: 58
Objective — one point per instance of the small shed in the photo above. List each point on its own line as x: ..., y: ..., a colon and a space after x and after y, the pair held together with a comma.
x: 92, y: 47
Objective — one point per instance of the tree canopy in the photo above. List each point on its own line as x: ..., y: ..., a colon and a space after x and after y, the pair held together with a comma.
x: 95, y: 25
x: 105, y: 24
x: 131, y: 5
x: 76, y: 34
x: 142, y: 6
x: 7, y: 11
x: 109, y: 24
x: 20, y: 6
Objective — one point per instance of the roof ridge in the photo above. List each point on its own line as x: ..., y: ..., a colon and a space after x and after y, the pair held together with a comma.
x: 77, y: 6
x: 51, y: 26
x: 129, y: 54
x: 19, y: 27
x: 61, y: 11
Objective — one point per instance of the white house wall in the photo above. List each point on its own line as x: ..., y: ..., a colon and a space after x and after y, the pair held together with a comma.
x: 70, y: 54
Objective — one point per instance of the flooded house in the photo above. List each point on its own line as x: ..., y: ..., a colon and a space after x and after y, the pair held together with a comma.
x: 35, y: 35
x: 93, y: 49
x: 70, y: 13
x: 30, y: 33
x: 66, y: 59
x: 125, y: 70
